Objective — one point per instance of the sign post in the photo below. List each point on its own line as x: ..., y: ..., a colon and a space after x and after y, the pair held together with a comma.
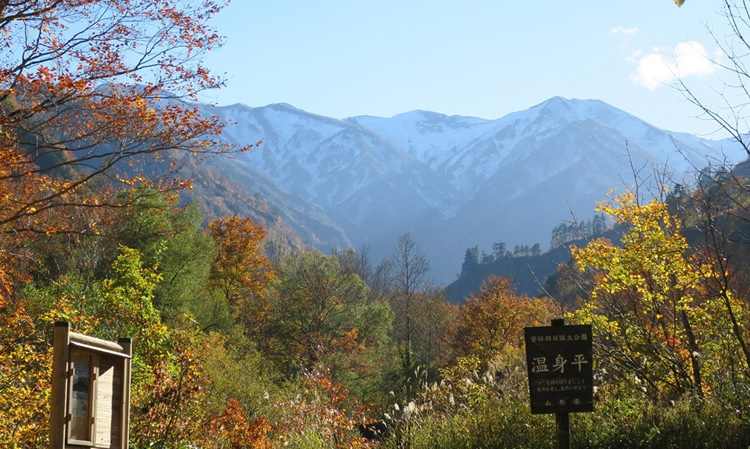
x: 90, y: 400
x: 559, y: 360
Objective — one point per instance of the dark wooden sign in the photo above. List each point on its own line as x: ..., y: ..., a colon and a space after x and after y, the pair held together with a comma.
x: 559, y: 360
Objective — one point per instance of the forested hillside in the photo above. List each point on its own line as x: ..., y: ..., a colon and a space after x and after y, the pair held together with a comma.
x: 527, y: 272
x: 527, y: 266
x: 241, y: 341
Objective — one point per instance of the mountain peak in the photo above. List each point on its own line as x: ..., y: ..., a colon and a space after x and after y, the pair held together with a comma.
x: 562, y: 110
x: 572, y: 108
x: 554, y: 100
x: 418, y: 114
x: 285, y: 107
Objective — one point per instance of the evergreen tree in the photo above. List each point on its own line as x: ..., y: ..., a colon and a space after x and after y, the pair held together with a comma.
x: 598, y: 225
x: 471, y: 259
x: 499, y: 249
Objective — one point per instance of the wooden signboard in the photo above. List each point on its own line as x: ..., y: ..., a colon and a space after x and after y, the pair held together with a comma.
x: 90, y: 391
x: 559, y: 360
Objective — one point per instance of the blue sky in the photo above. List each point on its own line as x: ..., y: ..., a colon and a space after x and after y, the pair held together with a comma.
x: 483, y: 58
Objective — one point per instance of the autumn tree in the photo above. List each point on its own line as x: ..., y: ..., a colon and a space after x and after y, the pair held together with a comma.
x: 432, y: 319
x: 26, y: 361
x: 224, y: 363
x: 321, y: 315
x: 90, y: 95
x: 491, y: 321
x: 120, y: 305
x: 95, y: 97
x: 358, y: 262
x: 169, y: 388
x: 716, y: 215
x: 92, y: 91
x: 168, y: 398
x: 241, y: 270
x: 658, y: 324
x: 233, y: 429
x: 168, y: 235
x: 324, y: 414
x: 407, y: 269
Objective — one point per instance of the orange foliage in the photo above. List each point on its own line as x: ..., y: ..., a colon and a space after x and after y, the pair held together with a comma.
x: 325, y: 409
x: 92, y: 88
x: 241, y: 269
x: 232, y: 429
x: 494, y: 319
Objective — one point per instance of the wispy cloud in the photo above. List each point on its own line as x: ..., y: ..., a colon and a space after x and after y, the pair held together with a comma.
x: 625, y: 31
x: 660, y: 68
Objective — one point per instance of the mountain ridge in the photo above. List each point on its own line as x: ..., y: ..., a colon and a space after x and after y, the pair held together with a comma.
x: 452, y: 181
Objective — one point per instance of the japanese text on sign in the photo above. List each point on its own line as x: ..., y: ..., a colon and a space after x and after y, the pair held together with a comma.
x: 559, y: 360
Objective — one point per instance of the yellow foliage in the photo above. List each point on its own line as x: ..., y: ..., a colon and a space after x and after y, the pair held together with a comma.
x: 650, y: 307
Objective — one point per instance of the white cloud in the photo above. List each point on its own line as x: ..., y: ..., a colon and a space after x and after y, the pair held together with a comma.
x: 687, y: 59
x: 623, y: 30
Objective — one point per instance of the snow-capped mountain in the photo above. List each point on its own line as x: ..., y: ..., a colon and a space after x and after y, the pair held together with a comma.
x: 453, y: 182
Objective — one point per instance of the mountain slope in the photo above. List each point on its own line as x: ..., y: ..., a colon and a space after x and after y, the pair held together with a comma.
x: 452, y: 181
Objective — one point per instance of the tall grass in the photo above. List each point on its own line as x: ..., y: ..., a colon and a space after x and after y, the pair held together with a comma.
x: 489, y: 412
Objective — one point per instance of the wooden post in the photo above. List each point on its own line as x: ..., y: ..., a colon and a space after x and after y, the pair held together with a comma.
x: 563, y: 430
x: 562, y: 419
x: 59, y: 385
x: 127, y: 345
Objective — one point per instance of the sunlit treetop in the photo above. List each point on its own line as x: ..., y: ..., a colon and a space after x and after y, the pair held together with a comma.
x: 100, y: 87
